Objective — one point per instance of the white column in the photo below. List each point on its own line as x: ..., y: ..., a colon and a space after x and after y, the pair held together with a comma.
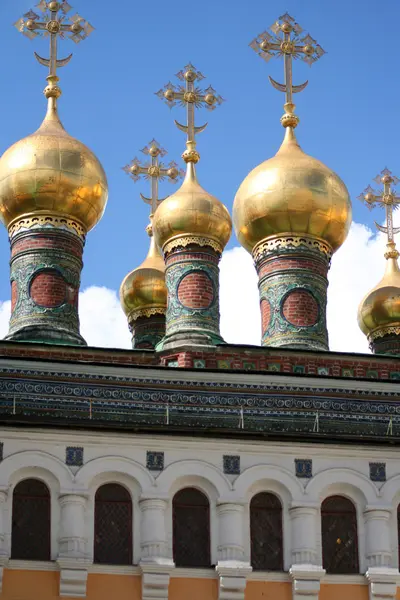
x: 382, y: 578
x: 231, y: 567
x: 305, y: 571
x: 72, y: 558
x: 304, y: 523
x: 155, y: 564
x: 3, y: 550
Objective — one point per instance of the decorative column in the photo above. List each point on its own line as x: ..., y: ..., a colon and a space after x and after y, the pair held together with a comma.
x: 231, y: 568
x: 72, y: 558
x: 293, y: 283
x: 3, y: 552
x: 53, y: 190
x: 192, y: 228
x: 305, y: 572
x: 155, y: 564
x: 46, y: 265
x: 382, y: 578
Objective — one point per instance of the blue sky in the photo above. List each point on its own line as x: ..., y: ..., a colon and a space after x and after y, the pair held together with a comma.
x: 349, y: 112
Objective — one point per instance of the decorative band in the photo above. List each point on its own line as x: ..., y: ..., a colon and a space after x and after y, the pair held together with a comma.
x: 382, y: 331
x: 286, y: 240
x: 30, y: 221
x: 187, y: 240
x: 147, y: 312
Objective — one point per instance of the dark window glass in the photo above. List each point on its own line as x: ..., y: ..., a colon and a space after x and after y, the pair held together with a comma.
x: 266, y: 533
x: 191, y: 529
x: 113, y: 525
x: 30, y: 536
x: 339, y: 536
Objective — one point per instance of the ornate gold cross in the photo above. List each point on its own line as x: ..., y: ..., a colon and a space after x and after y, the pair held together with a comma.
x: 287, y: 40
x: 384, y: 197
x: 192, y: 97
x: 54, y: 24
x: 155, y: 171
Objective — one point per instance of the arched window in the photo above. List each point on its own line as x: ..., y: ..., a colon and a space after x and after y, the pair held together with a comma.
x: 339, y: 536
x: 266, y: 536
x: 191, y: 529
x: 30, y: 536
x: 113, y: 525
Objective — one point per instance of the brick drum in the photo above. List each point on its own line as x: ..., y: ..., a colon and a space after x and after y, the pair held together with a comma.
x: 48, y: 289
x: 300, y: 309
x: 196, y: 290
x: 265, y: 314
x: 14, y: 294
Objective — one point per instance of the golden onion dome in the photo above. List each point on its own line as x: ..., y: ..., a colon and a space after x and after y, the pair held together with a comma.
x: 192, y: 212
x: 143, y: 292
x: 379, y: 311
x: 51, y: 173
x: 292, y: 193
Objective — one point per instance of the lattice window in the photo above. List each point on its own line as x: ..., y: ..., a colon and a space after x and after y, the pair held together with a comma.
x: 339, y: 536
x: 266, y: 536
x: 113, y: 525
x: 30, y: 536
x: 191, y: 529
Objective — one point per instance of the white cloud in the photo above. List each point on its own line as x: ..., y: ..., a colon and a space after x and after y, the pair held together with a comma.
x: 356, y: 268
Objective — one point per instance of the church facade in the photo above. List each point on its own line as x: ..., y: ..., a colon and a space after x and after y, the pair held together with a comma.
x: 187, y: 466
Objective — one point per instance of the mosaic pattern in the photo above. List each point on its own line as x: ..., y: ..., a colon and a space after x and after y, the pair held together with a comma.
x: 155, y: 460
x: 303, y: 467
x: 231, y: 464
x: 377, y: 471
x: 74, y: 456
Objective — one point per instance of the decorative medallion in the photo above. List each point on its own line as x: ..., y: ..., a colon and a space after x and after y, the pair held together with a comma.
x: 303, y: 467
x: 155, y: 460
x: 74, y: 456
x: 231, y: 464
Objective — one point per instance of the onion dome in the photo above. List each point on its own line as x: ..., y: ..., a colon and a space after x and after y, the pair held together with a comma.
x: 292, y: 194
x: 192, y: 215
x: 52, y: 175
x: 379, y: 311
x: 143, y: 292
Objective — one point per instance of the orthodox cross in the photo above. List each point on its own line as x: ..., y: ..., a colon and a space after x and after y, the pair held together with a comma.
x: 54, y: 24
x: 155, y: 171
x: 286, y: 40
x: 192, y: 97
x: 386, y: 198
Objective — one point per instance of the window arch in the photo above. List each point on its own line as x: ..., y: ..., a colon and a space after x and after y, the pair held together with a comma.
x: 30, y: 534
x: 339, y: 536
x: 191, y: 528
x: 113, y: 525
x: 266, y: 535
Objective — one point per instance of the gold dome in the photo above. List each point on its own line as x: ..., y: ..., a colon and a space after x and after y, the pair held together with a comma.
x: 379, y: 311
x: 51, y: 173
x: 192, y: 211
x: 291, y: 193
x: 143, y: 292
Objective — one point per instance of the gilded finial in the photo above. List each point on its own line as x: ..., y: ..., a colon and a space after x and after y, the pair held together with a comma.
x: 287, y: 39
x: 192, y: 97
x: 55, y: 24
x: 155, y: 171
x: 386, y: 197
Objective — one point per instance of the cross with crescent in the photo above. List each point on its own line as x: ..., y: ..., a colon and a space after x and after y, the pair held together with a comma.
x: 155, y: 171
x: 286, y: 40
x: 54, y: 24
x: 192, y: 97
x: 386, y: 198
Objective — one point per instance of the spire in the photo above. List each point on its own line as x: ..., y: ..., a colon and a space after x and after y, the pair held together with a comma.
x: 287, y: 39
x: 379, y: 311
x: 143, y: 292
x: 192, y: 228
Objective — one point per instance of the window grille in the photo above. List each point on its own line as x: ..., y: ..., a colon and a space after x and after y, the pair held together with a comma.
x: 266, y: 537
x: 113, y: 525
x: 30, y: 536
x: 339, y: 536
x: 191, y: 529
